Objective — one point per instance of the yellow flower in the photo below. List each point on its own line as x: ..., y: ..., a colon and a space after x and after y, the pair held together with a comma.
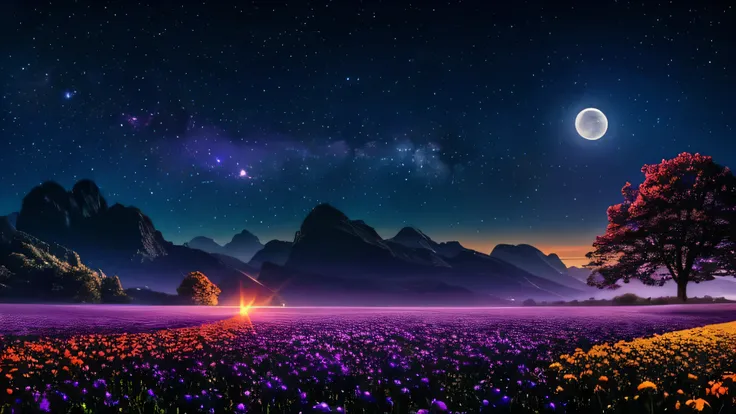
x: 559, y: 389
x: 698, y: 405
x: 647, y: 385
x: 570, y: 377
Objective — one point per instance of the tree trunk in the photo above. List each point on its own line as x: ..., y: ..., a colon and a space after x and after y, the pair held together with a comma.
x: 682, y: 290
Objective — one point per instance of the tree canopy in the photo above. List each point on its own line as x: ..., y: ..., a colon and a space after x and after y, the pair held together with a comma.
x: 198, y: 288
x: 679, y: 224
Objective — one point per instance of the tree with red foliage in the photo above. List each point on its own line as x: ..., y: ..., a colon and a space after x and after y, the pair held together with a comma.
x: 679, y: 224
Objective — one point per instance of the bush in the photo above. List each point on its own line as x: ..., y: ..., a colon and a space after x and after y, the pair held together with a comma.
x: 626, y: 299
x: 198, y: 289
x: 529, y: 302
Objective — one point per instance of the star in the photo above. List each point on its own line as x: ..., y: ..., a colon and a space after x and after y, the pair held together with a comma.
x: 69, y: 94
x: 243, y: 173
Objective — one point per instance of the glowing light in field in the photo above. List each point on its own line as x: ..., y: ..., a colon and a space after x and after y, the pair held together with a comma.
x: 245, y: 307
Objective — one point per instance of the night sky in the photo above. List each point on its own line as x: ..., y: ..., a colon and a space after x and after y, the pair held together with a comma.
x: 457, y: 118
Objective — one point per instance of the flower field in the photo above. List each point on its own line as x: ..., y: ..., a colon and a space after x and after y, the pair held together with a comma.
x: 581, y: 361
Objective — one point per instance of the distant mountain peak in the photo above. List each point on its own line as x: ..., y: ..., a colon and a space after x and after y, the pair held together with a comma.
x: 323, y: 215
x: 243, y: 246
x: 275, y: 251
x: 534, y: 261
x: 410, y: 231
x: 204, y: 239
x: 416, y: 239
x: 244, y: 238
x: 88, y: 197
x: 205, y: 244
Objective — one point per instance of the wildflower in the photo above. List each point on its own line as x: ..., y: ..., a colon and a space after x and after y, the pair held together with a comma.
x: 570, y: 377
x: 647, y: 385
x: 438, y: 406
x: 692, y: 377
x: 697, y: 405
x: 44, y: 405
x: 603, y: 378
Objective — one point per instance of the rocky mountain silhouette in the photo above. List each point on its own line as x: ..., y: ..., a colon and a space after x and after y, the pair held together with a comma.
x: 414, y: 238
x: 532, y: 260
x: 121, y: 240
x: 205, y: 244
x: 329, y: 246
x: 275, y: 251
x: 242, y: 246
x: 11, y: 219
x: 33, y: 270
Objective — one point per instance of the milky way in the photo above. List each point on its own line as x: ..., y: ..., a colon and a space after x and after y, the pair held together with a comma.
x: 456, y: 118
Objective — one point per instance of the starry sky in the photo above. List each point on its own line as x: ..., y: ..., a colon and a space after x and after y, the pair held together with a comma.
x: 455, y: 117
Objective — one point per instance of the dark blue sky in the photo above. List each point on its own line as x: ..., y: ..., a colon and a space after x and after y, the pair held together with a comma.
x: 454, y: 117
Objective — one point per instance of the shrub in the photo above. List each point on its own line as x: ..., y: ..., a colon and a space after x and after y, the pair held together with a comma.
x: 626, y: 299
x: 198, y: 289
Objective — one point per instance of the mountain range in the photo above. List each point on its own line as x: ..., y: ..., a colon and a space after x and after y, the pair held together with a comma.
x: 332, y: 259
x: 243, y: 246
x: 123, y: 241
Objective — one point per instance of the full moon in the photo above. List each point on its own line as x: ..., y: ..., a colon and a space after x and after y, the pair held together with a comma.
x: 591, y: 124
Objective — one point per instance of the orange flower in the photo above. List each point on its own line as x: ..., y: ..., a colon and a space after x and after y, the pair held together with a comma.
x: 698, y: 405
x: 647, y: 385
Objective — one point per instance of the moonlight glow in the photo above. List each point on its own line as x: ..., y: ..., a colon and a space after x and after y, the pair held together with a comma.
x: 591, y: 124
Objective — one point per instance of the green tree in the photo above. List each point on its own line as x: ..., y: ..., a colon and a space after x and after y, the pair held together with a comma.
x: 198, y: 289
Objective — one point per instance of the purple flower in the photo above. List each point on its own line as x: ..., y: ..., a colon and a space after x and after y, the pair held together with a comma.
x: 44, y: 405
x: 241, y: 407
x: 439, y: 405
x: 150, y: 393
